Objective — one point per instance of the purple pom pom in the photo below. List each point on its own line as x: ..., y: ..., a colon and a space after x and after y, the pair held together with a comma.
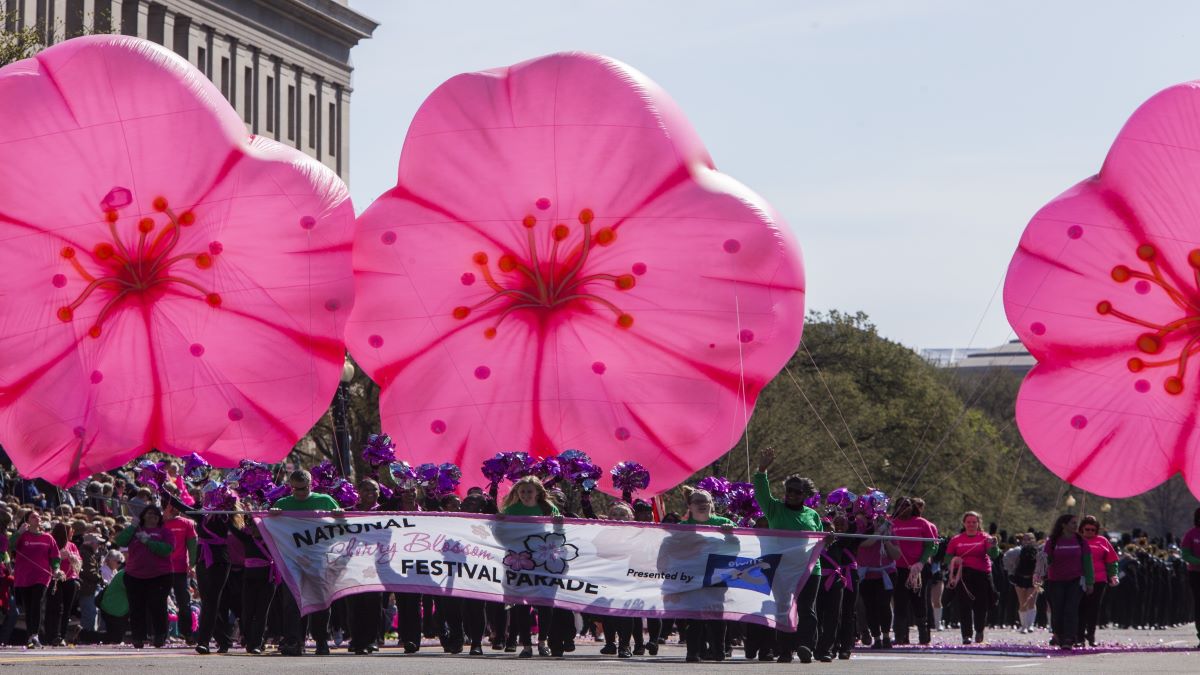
x: 630, y: 477
x: 403, y: 475
x: 323, y: 476
x: 742, y: 503
x: 151, y: 474
x: 195, y: 469
x: 814, y: 502
x: 218, y: 497
x: 379, y: 450
x: 255, y: 477
x: 718, y: 487
x: 549, y: 470
x: 493, y: 468
x: 520, y: 464
x: 841, y: 499
x: 343, y: 493
x: 277, y: 492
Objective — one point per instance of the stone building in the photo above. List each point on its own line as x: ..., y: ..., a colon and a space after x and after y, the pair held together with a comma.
x: 283, y: 64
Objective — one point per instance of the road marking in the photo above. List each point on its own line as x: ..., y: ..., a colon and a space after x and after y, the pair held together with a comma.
x: 1024, y: 665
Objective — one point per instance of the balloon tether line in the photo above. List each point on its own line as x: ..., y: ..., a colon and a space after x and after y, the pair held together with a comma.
x: 832, y: 437
x: 737, y: 308
x: 838, y: 408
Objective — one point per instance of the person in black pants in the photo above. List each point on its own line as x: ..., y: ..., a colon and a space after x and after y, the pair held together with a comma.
x: 147, y: 575
x: 257, y: 589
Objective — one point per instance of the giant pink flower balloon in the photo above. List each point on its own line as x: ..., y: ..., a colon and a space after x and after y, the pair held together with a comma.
x: 1105, y: 291
x: 165, y: 282
x: 560, y: 266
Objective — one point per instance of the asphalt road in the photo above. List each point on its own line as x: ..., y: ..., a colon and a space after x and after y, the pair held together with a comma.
x: 1001, y: 656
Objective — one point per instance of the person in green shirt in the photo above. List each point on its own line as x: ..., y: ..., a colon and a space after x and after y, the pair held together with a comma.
x: 792, y: 514
x: 704, y: 631
x: 528, y: 497
x: 294, y: 625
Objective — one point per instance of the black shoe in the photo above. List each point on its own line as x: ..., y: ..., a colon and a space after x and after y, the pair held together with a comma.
x: 825, y: 658
x: 412, y: 648
x: 322, y: 650
x: 543, y: 650
x: 200, y: 649
x: 497, y: 646
x: 639, y: 650
x: 510, y: 647
x: 923, y: 635
x: 569, y: 645
x: 608, y: 649
x: 979, y: 637
x: 222, y: 649
x: 624, y: 653
x: 966, y: 640
x: 526, y: 653
x: 254, y: 650
x: 876, y: 644
x: 843, y: 656
x: 765, y: 656
x: 692, y: 658
x: 476, y: 650
x: 652, y: 648
x: 785, y: 657
x: 805, y: 654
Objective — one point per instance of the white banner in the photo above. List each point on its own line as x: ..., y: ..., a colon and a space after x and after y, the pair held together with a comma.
x: 600, y: 567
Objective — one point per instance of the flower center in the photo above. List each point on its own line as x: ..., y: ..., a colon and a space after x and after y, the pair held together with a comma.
x: 1153, y: 342
x: 122, y: 269
x: 544, y: 282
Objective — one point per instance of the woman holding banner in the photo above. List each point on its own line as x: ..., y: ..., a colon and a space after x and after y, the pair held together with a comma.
x: 792, y: 514
x: 701, y: 631
x: 528, y: 497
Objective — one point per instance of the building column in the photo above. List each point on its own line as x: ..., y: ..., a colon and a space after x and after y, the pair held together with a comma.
x: 56, y: 21
x: 169, y: 29
x: 143, y: 18
x: 89, y: 17
x: 115, y: 12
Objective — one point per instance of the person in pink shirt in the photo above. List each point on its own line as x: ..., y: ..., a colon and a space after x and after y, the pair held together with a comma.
x: 971, y: 552
x: 183, y: 558
x: 1066, y: 566
x: 1104, y: 566
x: 913, y: 576
x: 60, y: 601
x: 36, y: 560
x: 1189, y: 548
x: 147, y: 575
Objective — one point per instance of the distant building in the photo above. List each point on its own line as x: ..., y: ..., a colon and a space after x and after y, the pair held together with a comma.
x: 283, y: 64
x: 1012, y: 356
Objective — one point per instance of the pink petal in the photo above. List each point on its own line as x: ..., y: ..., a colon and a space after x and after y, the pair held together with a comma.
x: 1096, y: 429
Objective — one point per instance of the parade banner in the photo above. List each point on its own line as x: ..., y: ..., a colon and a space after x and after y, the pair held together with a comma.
x: 600, y: 567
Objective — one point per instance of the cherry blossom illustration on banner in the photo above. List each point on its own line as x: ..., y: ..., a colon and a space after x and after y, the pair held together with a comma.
x: 167, y: 282
x: 1104, y: 290
x: 561, y: 266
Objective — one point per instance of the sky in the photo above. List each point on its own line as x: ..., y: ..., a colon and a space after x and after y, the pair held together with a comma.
x: 906, y: 143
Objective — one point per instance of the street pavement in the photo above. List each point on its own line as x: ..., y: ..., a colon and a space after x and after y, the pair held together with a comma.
x: 1006, y: 652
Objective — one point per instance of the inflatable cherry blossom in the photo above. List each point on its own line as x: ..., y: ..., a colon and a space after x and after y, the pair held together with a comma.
x: 1105, y: 291
x: 561, y: 266
x: 165, y: 282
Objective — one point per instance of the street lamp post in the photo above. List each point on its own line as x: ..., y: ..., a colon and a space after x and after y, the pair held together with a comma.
x: 341, y: 429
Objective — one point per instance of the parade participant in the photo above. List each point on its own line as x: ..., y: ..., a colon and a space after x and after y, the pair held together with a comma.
x: 1066, y: 558
x: 114, y: 604
x: 257, y: 585
x: 1020, y: 562
x: 622, y: 625
x: 1189, y: 551
x: 408, y: 605
x: 701, y: 631
x: 643, y: 512
x: 528, y: 497
x: 60, y: 601
x: 183, y: 558
x: 147, y: 575
x: 36, y: 560
x: 913, y: 575
x: 295, y: 626
x: 474, y: 612
x: 876, y: 580
x: 971, y: 553
x: 837, y: 594
x: 1104, y: 574
x: 366, y: 609
x: 212, y: 565
x: 175, y: 478
x: 792, y: 514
